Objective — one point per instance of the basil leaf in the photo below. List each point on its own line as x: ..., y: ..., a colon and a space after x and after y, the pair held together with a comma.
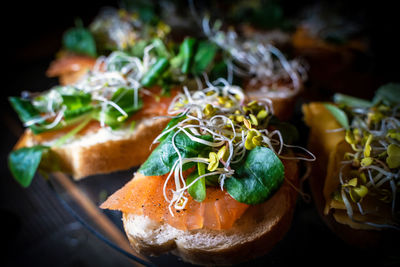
x: 351, y: 101
x: 124, y: 98
x: 198, y: 189
x: 339, y: 115
x: 24, y: 162
x: 164, y: 155
x: 257, y: 177
x: 389, y: 94
x: 205, y: 54
x: 80, y: 40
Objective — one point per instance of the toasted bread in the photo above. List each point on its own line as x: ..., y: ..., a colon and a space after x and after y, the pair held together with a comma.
x: 253, y: 235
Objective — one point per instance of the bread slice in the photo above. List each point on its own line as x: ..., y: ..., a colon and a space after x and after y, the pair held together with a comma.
x: 102, y: 151
x: 253, y: 235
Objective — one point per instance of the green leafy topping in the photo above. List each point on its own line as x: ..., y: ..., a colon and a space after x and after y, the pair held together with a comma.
x: 125, y: 99
x: 257, y: 178
x: 351, y: 101
x: 339, y: 115
x: 164, y: 156
x: 155, y: 72
x: 174, y: 121
x: 80, y: 40
x: 24, y: 108
x: 204, y: 56
x: 198, y: 189
x: 187, y: 52
x: 389, y: 94
x: 24, y: 162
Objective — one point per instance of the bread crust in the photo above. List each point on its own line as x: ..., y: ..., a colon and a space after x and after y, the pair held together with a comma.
x: 105, y: 156
x: 253, y: 235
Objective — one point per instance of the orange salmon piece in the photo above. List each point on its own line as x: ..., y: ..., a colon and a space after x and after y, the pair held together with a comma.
x: 143, y: 195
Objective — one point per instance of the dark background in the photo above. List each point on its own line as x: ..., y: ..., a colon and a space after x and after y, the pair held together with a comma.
x: 38, y: 231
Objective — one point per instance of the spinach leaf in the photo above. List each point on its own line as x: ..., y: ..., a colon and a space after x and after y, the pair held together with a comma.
x: 80, y: 40
x: 257, y: 177
x: 205, y: 54
x: 24, y: 162
x: 124, y: 98
x: 164, y: 155
x: 389, y: 94
x: 339, y: 115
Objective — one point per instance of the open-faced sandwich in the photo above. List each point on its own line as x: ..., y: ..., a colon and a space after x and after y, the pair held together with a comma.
x: 356, y: 179
x: 220, y: 187
x: 112, y: 30
x: 90, y: 126
x: 265, y: 71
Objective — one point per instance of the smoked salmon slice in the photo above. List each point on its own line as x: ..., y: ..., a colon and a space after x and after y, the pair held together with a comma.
x: 143, y: 195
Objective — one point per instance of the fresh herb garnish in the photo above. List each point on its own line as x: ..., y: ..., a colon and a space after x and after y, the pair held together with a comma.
x: 24, y: 162
x: 257, y: 177
x: 80, y: 40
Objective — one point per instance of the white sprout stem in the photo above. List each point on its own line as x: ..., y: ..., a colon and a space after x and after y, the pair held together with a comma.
x: 57, y: 119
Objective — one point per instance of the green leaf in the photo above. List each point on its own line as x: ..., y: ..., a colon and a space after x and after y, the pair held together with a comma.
x: 290, y: 134
x: 124, y: 98
x: 77, y: 100
x: 172, y: 123
x: 137, y: 50
x: 24, y: 162
x: 160, y: 48
x: 80, y: 40
x: 198, y: 189
x: 339, y: 115
x: 24, y: 108
x: 389, y: 94
x: 351, y: 101
x: 75, y: 113
x: 187, y: 52
x: 205, y: 54
x: 164, y: 156
x: 257, y: 177
x: 155, y: 72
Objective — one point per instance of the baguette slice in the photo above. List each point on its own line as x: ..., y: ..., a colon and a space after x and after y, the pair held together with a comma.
x: 99, y: 152
x: 252, y: 235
